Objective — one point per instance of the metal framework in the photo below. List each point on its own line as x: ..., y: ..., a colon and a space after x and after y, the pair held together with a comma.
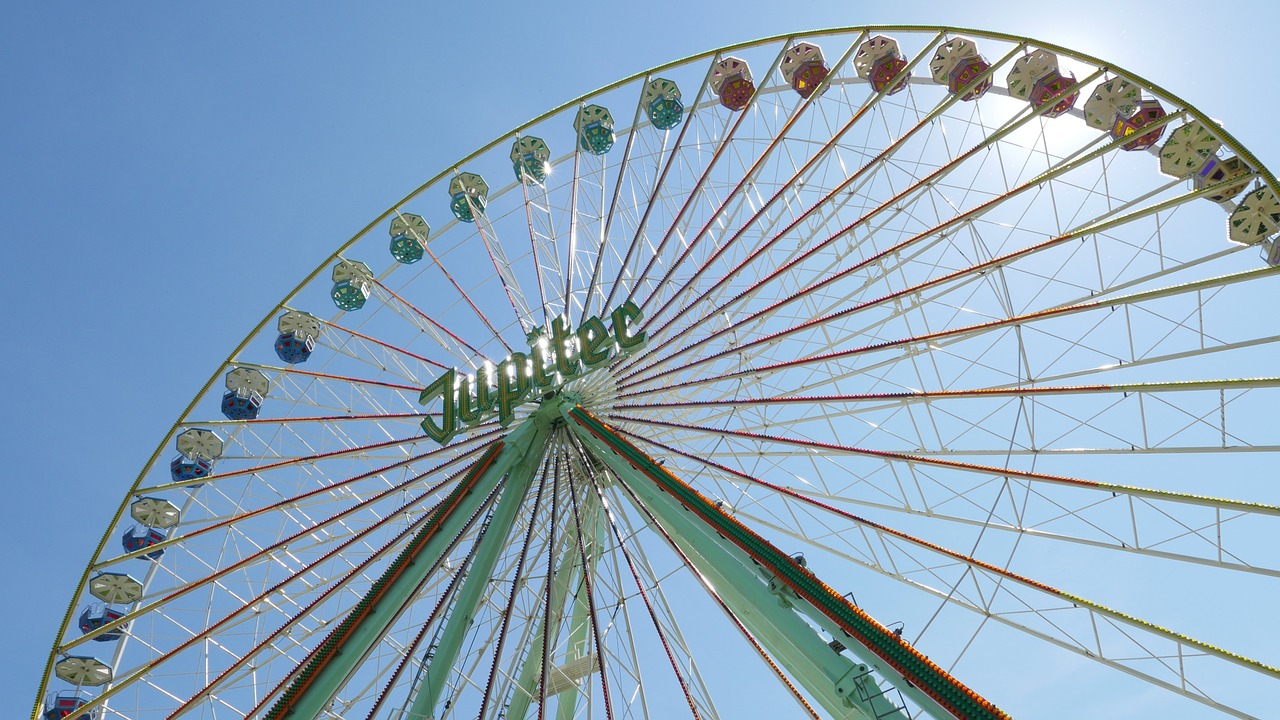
x: 971, y: 361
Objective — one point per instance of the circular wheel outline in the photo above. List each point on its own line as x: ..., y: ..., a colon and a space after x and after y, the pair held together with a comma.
x: 1228, y: 140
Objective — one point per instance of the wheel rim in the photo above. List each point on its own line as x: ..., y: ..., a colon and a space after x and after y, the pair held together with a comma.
x: 999, y: 306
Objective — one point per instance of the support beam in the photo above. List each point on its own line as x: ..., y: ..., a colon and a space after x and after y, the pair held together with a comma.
x: 316, y: 681
x: 770, y: 592
x: 566, y: 577
x: 470, y: 597
x: 579, y: 641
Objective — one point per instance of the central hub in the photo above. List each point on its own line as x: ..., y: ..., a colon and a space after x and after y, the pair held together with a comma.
x: 556, y: 357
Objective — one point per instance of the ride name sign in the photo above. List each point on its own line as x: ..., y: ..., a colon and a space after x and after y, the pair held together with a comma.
x: 553, y: 360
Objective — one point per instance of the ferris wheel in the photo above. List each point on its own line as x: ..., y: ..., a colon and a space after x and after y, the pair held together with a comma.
x: 867, y: 373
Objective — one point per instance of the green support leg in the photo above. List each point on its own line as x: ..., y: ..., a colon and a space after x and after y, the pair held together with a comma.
x: 321, y: 677
x: 579, y: 644
x: 467, y: 601
x: 792, y: 641
x: 566, y: 577
x: 743, y: 567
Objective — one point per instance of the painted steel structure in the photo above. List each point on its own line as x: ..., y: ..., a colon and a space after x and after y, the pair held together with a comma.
x: 965, y: 322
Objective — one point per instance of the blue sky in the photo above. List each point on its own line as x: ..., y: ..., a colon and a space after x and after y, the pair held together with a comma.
x: 169, y: 171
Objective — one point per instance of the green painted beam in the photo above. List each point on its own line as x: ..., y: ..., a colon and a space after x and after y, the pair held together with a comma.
x: 530, y: 678
x: 827, y: 675
x: 528, y: 451
x: 333, y: 662
x: 579, y: 643
x: 725, y: 545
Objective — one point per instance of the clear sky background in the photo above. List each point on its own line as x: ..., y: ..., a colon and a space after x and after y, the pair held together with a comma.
x: 168, y: 171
